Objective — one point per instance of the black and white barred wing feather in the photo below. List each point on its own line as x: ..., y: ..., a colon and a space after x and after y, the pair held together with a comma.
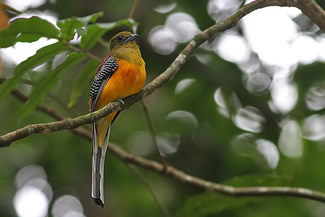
x: 105, y: 72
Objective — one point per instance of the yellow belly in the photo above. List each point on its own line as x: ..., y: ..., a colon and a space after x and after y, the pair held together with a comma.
x: 127, y: 80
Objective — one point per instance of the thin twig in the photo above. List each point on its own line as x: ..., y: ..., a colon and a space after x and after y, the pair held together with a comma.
x: 103, y: 43
x: 153, y: 132
x: 133, y: 9
x: 89, y: 54
x: 242, y: 3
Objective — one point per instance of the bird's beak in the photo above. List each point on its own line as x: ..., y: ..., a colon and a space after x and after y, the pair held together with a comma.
x: 132, y: 37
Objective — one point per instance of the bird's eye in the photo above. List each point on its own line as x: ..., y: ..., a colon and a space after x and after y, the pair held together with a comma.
x: 120, y: 38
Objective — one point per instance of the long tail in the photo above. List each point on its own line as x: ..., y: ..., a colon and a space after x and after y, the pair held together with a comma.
x: 98, y: 163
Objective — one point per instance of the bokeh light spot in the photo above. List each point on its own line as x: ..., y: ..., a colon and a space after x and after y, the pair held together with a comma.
x: 284, y: 95
x: 321, y: 47
x: 315, y: 97
x: 25, y: 4
x: 219, y: 9
x: 66, y: 204
x: 314, y: 127
x: 183, y: 85
x: 165, y: 8
x: 261, y: 28
x: 21, y: 51
x: 305, y: 48
x: 168, y: 143
x: 290, y: 140
x: 28, y: 173
x: 73, y: 214
x: 30, y: 201
x: 249, y: 118
x: 183, y: 25
x: 163, y: 40
x: 257, y: 82
x: 182, y: 122
x: 269, y: 152
x: 244, y: 145
x: 230, y: 42
x: 220, y: 99
x: 140, y: 143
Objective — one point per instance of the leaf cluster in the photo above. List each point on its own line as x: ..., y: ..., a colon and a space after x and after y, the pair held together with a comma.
x: 84, y: 30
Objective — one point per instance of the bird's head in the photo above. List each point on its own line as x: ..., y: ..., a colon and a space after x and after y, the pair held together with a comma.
x: 123, y: 39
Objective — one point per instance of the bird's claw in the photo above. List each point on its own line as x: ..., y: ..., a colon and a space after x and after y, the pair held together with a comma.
x: 122, y: 103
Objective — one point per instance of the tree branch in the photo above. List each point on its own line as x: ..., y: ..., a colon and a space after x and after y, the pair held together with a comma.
x: 178, y: 175
x: 167, y: 75
x: 133, y: 9
x: 311, y: 9
x: 214, y: 187
x: 89, y: 54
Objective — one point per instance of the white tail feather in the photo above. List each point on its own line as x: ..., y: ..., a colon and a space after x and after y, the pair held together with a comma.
x: 98, y: 164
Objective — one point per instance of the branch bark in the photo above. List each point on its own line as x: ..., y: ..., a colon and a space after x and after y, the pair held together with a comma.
x: 309, y: 6
x: 311, y: 9
x: 180, y: 176
x: 211, y: 186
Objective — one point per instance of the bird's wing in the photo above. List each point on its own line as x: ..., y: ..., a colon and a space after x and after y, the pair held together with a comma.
x: 104, y: 73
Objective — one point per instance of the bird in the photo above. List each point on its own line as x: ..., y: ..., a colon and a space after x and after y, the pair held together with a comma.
x: 120, y: 74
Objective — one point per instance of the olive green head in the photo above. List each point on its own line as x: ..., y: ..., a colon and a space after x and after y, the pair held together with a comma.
x: 123, y: 39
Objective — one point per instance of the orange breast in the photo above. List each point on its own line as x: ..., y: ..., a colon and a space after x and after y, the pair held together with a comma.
x: 128, y: 79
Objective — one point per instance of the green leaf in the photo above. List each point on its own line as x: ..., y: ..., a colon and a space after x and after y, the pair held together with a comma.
x: 91, y: 18
x: 85, y: 75
x: 70, y: 26
x: 90, y: 38
x: 27, y: 30
x: 41, y: 56
x: 48, y: 81
x: 210, y: 203
x: 96, y: 31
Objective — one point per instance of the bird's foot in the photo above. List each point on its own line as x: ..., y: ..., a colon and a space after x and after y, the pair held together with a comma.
x: 122, y: 103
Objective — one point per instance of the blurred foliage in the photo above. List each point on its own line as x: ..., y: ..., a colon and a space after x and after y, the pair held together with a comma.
x: 212, y: 204
x: 196, y: 122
